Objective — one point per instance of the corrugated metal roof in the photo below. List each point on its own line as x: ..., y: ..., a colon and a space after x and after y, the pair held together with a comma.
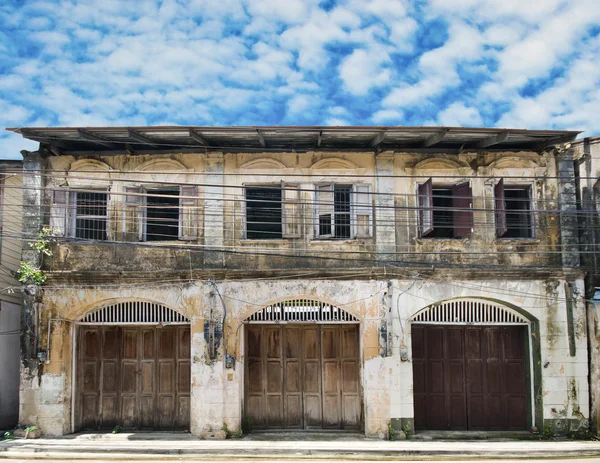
x: 149, y: 139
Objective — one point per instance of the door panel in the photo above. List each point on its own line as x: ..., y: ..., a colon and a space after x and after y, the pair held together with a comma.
x: 469, y: 377
x: 132, y: 380
x: 303, y: 376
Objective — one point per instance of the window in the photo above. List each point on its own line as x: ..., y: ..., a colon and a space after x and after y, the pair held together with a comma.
x: 513, y: 211
x: 80, y: 214
x: 343, y: 211
x: 273, y: 212
x: 445, y: 211
x: 263, y: 213
x: 161, y: 214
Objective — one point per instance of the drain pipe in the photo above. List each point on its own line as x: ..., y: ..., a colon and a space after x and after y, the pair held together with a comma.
x: 46, y: 358
x: 229, y: 361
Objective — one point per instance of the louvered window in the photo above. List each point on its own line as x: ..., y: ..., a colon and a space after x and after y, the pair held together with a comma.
x: 302, y: 311
x: 469, y: 312
x: 134, y: 313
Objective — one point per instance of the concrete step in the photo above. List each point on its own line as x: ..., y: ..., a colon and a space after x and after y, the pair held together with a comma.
x: 291, y: 446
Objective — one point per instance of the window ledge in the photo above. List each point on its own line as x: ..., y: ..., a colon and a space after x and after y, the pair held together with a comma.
x: 340, y: 240
x: 518, y: 240
x: 439, y: 240
x: 268, y: 240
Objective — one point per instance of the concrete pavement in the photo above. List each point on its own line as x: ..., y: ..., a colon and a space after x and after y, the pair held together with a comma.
x: 282, y: 447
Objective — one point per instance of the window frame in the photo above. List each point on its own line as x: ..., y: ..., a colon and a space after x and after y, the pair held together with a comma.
x: 355, y: 207
x: 500, y: 211
x: 425, y: 209
x: 283, y: 187
x: 137, y: 196
x: 72, y: 216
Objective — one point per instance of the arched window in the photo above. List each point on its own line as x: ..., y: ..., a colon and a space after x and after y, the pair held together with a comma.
x: 133, y: 313
x: 302, y: 311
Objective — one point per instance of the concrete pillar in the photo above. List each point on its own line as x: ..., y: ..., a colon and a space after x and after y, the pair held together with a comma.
x: 385, y: 229
x: 33, y: 194
x: 214, y: 210
x: 567, y: 203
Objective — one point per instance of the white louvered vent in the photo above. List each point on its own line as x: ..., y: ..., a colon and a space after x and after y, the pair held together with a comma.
x: 469, y: 312
x: 302, y: 311
x: 133, y: 313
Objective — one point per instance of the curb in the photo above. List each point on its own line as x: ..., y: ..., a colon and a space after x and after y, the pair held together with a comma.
x: 143, y: 454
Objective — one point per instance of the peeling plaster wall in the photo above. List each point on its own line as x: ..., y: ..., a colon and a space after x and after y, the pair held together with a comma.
x: 386, y: 373
x: 564, y: 382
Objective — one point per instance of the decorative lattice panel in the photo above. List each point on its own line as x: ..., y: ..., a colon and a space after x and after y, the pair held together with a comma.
x: 302, y: 311
x: 469, y: 312
x: 134, y: 313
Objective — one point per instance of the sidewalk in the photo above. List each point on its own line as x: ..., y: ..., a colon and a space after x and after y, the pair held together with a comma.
x: 282, y: 446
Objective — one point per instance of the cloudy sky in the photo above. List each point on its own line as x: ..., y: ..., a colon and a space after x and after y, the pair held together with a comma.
x: 504, y: 63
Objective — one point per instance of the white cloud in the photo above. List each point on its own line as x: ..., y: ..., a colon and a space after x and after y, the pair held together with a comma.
x: 363, y: 70
x: 298, y: 104
x: 458, y: 114
x: 388, y: 116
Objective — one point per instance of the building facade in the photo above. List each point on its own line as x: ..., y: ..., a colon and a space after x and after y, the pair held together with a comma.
x: 305, y: 278
x: 11, y: 199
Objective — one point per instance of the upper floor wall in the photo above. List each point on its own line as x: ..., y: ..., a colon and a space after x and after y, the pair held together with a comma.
x: 315, y: 210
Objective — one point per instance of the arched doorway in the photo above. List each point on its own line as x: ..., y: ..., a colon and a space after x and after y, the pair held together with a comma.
x: 133, y: 367
x: 302, y: 367
x: 472, y: 366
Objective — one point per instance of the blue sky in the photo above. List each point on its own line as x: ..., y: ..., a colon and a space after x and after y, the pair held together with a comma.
x: 504, y: 63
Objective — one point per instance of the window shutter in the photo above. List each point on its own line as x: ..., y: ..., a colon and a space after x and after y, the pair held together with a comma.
x: 59, y: 217
x: 325, y: 211
x: 500, y: 209
x: 291, y: 210
x: 133, y: 226
x: 462, y: 203
x: 362, y: 211
x: 425, y: 203
x: 188, y: 213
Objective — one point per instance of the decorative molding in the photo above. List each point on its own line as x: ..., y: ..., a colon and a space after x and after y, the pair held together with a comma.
x: 333, y: 163
x: 439, y: 163
x: 89, y: 164
x: 159, y: 165
x: 513, y: 162
x: 263, y: 164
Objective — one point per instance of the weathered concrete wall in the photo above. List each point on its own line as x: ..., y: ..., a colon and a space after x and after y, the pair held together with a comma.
x: 217, y: 392
x: 95, y: 274
x: 564, y: 380
x: 10, y: 322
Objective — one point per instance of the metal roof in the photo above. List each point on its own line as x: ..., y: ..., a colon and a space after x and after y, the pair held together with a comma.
x: 140, y: 140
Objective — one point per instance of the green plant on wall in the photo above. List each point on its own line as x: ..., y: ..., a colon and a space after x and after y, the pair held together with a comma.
x: 31, y: 274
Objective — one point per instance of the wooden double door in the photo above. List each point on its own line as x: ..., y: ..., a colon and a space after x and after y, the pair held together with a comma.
x: 137, y: 377
x: 470, y: 378
x: 302, y: 377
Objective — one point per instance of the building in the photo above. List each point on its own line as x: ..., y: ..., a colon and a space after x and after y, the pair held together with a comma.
x: 587, y: 161
x: 347, y: 278
x: 10, y: 294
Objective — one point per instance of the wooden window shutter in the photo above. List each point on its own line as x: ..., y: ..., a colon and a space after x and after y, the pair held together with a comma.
x: 325, y: 211
x: 188, y: 213
x: 500, y: 209
x: 133, y: 217
x: 362, y: 222
x: 462, y: 204
x: 425, y: 204
x: 291, y: 220
x: 59, y: 216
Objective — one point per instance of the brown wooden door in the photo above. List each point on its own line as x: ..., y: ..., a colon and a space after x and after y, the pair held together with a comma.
x: 136, y: 377
x: 469, y: 377
x: 302, y: 377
